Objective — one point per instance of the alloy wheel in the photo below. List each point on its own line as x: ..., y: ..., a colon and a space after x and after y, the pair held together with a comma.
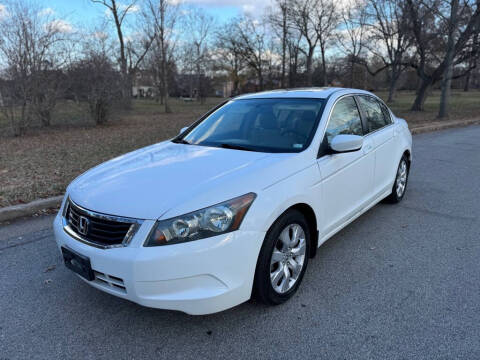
x: 401, y: 181
x: 288, y: 258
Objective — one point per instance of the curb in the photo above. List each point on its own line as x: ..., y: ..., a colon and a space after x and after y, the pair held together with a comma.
x: 443, y: 125
x: 17, y: 211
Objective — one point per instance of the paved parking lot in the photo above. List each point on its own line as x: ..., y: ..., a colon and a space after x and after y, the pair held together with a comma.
x: 401, y: 282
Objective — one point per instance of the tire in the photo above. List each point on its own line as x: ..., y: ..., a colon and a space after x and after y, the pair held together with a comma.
x: 274, y: 269
x: 401, y: 181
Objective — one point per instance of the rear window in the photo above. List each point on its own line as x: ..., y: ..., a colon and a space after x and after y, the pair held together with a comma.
x: 373, y: 112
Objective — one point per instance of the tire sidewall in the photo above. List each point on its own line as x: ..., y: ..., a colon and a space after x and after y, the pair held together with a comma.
x: 394, y: 190
x: 263, y: 288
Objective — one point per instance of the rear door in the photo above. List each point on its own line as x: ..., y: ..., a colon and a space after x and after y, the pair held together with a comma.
x: 378, y: 124
x: 347, y: 178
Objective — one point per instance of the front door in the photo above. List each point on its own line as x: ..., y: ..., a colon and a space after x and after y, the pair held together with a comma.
x: 347, y: 178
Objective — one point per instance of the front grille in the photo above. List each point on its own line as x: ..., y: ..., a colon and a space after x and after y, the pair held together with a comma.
x: 103, y: 230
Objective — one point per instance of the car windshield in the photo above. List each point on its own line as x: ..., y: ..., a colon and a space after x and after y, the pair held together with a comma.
x: 266, y: 125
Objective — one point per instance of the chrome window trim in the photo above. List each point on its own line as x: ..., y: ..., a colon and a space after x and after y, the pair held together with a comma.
x: 135, y: 225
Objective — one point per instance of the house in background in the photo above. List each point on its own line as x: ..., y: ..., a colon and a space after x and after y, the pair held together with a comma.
x: 143, y: 91
x: 143, y: 85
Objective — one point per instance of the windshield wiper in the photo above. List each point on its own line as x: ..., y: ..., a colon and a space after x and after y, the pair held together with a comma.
x: 235, y: 147
x: 181, y: 141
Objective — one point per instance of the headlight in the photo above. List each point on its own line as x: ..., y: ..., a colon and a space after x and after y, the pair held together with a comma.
x: 215, y: 220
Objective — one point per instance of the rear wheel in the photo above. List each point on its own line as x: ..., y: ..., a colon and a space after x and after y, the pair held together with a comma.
x: 401, y: 180
x: 283, y: 259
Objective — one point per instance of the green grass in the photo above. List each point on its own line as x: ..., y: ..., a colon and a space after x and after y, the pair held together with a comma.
x: 43, y: 162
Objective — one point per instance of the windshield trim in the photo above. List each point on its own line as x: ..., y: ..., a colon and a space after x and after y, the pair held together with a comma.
x: 179, y: 137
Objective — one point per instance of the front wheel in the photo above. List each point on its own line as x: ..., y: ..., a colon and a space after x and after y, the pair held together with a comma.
x: 401, y: 180
x: 283, y: 259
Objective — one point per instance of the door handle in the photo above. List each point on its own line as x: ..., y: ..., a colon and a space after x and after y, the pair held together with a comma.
x: 368, y: 148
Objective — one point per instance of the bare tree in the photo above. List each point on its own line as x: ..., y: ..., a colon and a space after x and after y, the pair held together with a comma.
x: 293, y: 46
x: 303, y: 15
x: 352, y: 34
x: 199, y: 27
x: 474, y: 57
x: 30, y: 49
x: 436, y: 54
x: 252, y: 41
x: 452, y: 29
x: 391, y: 37
x: 326, y: 19
x: 129, y: 54
x: 280, y: 22
x: 93, y: 77
x: 160, y: 17
x: 228, y: 54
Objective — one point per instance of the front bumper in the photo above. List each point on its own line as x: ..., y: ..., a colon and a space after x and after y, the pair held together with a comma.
x: 198, y: 277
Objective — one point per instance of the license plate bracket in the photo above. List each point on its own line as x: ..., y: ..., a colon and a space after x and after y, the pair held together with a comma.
x: 78, y: 263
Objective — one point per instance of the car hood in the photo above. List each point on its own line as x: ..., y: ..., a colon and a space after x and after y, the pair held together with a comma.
x: 167, y: 179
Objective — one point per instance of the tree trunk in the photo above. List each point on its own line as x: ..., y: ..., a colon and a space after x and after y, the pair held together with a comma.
x: 165, y: 83
x: 365, y: 78
x: 165, y: 96
x: 324, y: 68
x: 236, y: 81
x: 472, y: 62
x: 125, y: 91
x: 447, y: 73
x: 292, y: 82
x: 309, y: 66
x: 392, y: 87
x: 422, y: 93
x: 235, y: 86
x: 284, y: 44
x: 352, y: 69
x: 466, y: 86
x: 391, y: 93
x: 163, y: 48
x: 446, y: 89
x: 260, y: 79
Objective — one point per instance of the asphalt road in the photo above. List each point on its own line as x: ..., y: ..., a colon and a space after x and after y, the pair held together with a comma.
x: 401, y: 282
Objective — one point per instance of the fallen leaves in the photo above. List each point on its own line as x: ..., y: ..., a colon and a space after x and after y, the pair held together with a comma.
x: 43, y: 162
x: 50, y: 268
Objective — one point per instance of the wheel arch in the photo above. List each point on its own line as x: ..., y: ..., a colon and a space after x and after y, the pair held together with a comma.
x: 311, y: 218
x: 408, y: 154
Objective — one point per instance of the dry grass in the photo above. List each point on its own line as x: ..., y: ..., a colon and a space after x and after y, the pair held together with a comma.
x: 463, y: 105
x: 42, y: 163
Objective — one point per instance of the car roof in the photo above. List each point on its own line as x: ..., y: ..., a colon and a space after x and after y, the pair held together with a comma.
x: 311, y: 92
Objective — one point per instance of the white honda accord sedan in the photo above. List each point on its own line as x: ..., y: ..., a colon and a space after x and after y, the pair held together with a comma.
x: 235, y: 205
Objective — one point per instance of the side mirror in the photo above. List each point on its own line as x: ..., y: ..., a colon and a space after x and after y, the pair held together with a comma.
x: 346, y: 143
x: 183, y: 130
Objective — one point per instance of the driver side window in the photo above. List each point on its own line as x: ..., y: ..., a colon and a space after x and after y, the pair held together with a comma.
x: 344, y: 119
